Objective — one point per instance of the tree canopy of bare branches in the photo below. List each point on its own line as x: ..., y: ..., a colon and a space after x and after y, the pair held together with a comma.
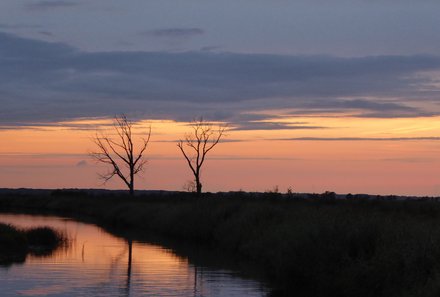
x: 124, y: 157
x: 196, y: 145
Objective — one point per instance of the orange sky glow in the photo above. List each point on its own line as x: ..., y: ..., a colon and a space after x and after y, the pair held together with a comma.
x: 349, y: 154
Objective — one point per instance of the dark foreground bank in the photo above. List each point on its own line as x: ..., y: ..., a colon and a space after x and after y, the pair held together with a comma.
x: 16, y: 244
x: 315, y: 246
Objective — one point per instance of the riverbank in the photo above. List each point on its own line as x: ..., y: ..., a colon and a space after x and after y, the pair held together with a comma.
x: 16, y: 244
x: 307, y: 246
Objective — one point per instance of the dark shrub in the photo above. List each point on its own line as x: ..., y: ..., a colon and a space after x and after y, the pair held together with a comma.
x: 44, y: 236
x: 13, y: 245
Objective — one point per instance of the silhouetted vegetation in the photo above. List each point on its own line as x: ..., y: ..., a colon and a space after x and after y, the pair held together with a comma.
x: 197, y: 144
x: 120, y: 154
x: 15, y: 244
x: 305, y: 246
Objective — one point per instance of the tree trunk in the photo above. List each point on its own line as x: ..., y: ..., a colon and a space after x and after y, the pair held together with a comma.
x: 131, y: 180
x: 198, y: 186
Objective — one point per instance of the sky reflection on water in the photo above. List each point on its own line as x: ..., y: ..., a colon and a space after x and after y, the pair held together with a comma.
x: 97, y: 263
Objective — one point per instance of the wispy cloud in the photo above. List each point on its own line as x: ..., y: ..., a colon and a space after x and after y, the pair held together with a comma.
x: 41, y: 155
x: 397, y: 114
x: 82, y: 163
x: 174, y: 32
x: 210, y: 48
x: 49, y: 4
x: 273, y: 126
x: 410, y: 160
x: 46, y: 33
x: 433, y: 138
x: 19, y: 26
x: 362, y: 104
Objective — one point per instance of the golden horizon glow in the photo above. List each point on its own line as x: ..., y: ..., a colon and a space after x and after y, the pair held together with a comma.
x: 403, y: 149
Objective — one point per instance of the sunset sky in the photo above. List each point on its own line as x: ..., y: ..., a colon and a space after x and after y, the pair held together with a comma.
x: 318, y: 95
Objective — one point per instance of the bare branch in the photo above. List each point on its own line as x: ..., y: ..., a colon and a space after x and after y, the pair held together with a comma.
x: 188, y: 159
x: 197, y: 145
x: 144, y: 146
x: 121, y: 151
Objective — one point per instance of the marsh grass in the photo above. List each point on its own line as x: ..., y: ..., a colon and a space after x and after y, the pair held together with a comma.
x: 315, y: 246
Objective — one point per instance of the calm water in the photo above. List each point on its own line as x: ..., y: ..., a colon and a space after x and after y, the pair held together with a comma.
x: 97, y: 263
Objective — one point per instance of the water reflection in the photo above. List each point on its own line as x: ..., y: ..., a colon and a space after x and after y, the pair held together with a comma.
x: 130, y: 258
x: 97, y: 263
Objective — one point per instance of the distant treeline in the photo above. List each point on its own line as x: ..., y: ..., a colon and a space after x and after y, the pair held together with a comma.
x: 314, y: 245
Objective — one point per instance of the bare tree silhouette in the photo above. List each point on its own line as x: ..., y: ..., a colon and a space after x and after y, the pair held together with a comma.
x: 120, y: 153
x: 196, y: 145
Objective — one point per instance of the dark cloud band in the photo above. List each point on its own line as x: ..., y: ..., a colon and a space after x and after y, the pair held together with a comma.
x: 43, y: 82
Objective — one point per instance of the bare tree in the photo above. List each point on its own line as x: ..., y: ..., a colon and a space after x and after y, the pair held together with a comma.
x: 196, y: 145
x: 120, y: 154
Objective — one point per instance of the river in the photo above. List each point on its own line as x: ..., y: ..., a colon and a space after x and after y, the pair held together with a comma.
x: 97, y: 263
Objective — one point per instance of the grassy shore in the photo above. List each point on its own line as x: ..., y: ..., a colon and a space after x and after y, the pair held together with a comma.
x: 16, y: 244
x: 316, y: 246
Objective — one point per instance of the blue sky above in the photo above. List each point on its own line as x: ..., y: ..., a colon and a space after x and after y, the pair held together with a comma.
x: 339, y: 27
